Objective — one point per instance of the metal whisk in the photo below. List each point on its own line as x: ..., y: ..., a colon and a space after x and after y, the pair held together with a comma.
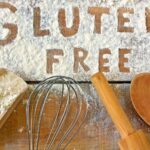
x: 67, y: 112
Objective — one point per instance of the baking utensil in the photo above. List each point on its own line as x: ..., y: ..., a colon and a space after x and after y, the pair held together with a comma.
x: 12, y: 88
x: 140, y: 95
x: 131, y: 139
x: 67, y: 112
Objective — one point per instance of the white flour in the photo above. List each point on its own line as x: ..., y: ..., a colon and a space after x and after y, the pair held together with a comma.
x: 26, y: 55
x: 10, y: 88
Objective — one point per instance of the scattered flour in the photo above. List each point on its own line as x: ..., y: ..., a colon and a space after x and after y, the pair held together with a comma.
x: 11, y: 87
x: 26, y: 55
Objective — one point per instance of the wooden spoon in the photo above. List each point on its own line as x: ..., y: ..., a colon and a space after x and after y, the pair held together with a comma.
x: 140, y: 95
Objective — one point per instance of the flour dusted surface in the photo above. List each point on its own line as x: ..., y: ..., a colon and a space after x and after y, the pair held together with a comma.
x: 11, y: 87
x: 26, y: 55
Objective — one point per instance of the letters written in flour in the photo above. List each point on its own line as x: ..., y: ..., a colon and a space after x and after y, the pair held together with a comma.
x: 74, y: 41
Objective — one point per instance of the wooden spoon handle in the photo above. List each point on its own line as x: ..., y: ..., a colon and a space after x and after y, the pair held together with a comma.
x: 112, y: 104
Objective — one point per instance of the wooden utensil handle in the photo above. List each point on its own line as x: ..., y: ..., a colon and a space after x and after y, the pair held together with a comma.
x: 112, y: 104
x: 131, y: 139
x: 136, y: 141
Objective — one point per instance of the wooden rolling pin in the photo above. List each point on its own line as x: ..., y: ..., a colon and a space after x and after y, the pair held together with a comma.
x: 131, y: 139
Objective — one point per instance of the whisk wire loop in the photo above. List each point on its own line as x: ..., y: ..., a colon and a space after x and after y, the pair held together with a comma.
x: 70, y: 94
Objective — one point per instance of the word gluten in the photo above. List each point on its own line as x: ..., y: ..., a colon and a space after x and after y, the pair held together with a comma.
x: 96, y: 12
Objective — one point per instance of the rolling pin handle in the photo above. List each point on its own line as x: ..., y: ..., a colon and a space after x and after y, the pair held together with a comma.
x: 131, y: 139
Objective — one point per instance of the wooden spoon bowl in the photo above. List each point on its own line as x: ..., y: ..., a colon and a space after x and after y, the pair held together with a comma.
x: 140, y: 95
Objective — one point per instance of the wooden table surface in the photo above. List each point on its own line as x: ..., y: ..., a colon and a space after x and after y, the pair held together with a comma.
x: 98, y: 132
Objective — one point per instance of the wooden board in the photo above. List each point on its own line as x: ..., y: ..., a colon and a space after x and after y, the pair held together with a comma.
x: 41, y: 38
x: 98, y: 132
